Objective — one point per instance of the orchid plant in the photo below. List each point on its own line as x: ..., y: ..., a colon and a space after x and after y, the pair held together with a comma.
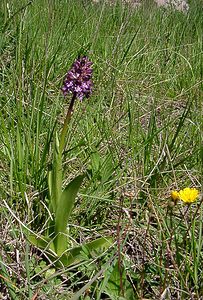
x: 78, y: 82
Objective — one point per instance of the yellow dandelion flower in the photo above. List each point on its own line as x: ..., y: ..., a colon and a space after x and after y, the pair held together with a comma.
x: 175, y: 196
x: 189, y: 195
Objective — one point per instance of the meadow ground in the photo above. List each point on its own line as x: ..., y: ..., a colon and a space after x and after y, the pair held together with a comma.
x: 136, y: 139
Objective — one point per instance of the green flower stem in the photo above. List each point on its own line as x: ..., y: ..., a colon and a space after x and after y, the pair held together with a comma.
x: 65, y: 125
x: 56, y: 176
x: 57, y: 179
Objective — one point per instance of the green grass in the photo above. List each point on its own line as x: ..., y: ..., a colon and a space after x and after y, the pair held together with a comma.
x: 137, y: 138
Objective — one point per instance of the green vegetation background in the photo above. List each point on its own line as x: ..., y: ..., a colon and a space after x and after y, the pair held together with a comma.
x: 137, y: 138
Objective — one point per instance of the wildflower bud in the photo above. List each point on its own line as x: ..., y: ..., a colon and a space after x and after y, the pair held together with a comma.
x: 175, y: 196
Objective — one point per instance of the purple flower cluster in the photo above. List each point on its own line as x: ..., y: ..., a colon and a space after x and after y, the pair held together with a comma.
x: 78, y: 80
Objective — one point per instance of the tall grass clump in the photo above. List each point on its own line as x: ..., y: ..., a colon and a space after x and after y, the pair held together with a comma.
x: 127, y: 168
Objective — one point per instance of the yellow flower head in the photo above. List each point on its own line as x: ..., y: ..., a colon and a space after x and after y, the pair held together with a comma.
x: 188, y: 195
x: 175, y: 196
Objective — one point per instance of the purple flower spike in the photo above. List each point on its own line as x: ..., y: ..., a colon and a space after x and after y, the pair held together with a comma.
x: 78, y: 80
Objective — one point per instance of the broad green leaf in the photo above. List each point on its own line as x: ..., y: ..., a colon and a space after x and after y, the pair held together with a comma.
x: 41, y: 242
x: 50, y: 272
x: 107, y: 169
x: 113, y: 285
x: 45, y: 243
x: 63, y: 211
x: 74, y: 254
x: 96, y: 161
